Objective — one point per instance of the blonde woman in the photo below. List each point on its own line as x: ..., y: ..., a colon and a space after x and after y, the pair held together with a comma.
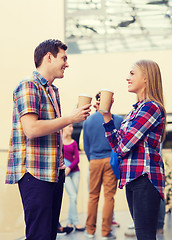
x: 137, y: 144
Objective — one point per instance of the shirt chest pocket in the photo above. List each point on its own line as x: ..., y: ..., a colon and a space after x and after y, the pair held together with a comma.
x: 47, y: 111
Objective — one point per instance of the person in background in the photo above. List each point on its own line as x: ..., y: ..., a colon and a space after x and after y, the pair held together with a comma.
x: 98, y: 152
x: 72, y: 173
x: 62, y: 231
x: 137, y: 145
x: 35, y: 159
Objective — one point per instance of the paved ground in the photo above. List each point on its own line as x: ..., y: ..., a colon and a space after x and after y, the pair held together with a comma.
x: 122, y: 216
x: 124, y: 219
x: 11, y: 212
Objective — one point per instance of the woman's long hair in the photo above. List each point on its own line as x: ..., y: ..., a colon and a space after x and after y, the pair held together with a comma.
x: 154, y: 89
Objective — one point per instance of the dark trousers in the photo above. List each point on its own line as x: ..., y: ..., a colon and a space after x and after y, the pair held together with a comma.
x: 42, y: 203
x: 161, y: 216
x: 144, y: 202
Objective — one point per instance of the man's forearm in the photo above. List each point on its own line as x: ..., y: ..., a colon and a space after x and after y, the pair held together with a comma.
x: 33, y: 127
x: 39, y: 128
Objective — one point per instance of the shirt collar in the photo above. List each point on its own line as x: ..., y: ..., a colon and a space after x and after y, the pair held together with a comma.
x: 42, y: 80
x: 138, y: 104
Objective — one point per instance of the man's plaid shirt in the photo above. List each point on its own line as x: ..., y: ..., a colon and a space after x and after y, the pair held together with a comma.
x: 38, y: 156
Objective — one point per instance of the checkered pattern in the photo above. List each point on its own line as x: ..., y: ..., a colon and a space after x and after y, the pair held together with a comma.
x: 39, y: 156
x: 138, y: 144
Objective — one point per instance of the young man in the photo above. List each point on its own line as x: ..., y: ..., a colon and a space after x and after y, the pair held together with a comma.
x: 35, y: 153
x: 98, y: 152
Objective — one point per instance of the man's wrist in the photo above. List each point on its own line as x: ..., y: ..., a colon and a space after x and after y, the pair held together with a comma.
x: 68, y: 120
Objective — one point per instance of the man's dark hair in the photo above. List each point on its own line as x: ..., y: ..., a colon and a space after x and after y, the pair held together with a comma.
x: 51, y: 45
x: 97, y: 96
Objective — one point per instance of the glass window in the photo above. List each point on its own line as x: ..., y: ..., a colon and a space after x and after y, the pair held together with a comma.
x: 99, y: 26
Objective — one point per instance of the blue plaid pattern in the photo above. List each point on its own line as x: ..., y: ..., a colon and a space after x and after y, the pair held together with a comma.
x: 137, y: 144
x: 38, y: 156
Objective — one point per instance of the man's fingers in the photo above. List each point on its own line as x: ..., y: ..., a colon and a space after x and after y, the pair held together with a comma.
x: 86, y: 106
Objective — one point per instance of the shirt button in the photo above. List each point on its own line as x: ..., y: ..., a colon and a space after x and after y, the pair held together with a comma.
x: 58, y: 146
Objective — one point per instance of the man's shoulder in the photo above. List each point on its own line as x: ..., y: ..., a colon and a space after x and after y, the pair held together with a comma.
x: 95, y: 115
x: 24, y: 82
x: 118, y: 117
x: 94, y: 122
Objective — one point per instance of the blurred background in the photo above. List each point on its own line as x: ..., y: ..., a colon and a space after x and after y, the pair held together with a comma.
x: 105, y: 37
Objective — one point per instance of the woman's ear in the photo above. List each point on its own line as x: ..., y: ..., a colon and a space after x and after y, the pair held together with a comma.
x: 145, y: 79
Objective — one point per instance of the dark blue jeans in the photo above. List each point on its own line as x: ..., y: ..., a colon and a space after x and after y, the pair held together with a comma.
x: 161, y: 216
x: 144, y: 202
x: 42, y: 203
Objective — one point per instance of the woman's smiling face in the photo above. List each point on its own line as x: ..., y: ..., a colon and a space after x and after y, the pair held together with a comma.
x: 136, y: 81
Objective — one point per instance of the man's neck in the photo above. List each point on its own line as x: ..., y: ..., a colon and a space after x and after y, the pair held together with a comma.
x: 45, y: 75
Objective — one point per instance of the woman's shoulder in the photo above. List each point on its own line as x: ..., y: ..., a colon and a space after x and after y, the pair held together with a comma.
x: 74, y: 143
x: 151, y: 107
x: 150, y: 104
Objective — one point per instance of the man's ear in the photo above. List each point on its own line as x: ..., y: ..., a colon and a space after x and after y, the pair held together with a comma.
x: 48, y: 56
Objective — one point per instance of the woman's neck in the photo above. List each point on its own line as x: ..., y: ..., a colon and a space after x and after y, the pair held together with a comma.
x: 67, y: 139
x: 141, y: 95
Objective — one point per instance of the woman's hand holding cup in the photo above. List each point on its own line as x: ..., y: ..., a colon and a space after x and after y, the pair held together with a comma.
x: 104, y: 104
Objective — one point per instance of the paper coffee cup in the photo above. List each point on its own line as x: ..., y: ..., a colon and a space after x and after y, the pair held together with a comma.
x: 84, y: 99
x: 105, y: 100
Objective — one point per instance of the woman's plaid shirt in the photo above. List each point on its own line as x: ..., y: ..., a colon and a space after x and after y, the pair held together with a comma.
x: 38, y: 156
x: 138, y: 144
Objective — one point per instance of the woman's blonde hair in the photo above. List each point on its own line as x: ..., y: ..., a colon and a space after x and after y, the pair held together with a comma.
x: 154, y: 89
